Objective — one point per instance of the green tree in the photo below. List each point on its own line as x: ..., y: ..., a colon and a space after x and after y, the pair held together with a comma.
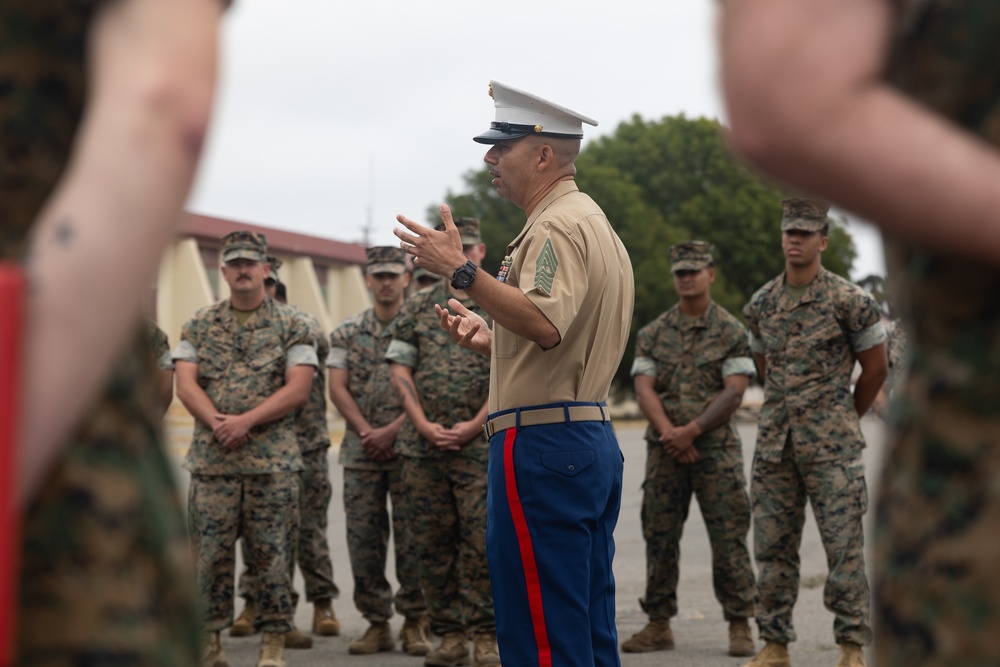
x: 660, y: 183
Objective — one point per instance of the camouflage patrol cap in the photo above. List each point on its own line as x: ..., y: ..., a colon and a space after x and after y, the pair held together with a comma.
x: 420, y: 273
x: 468, y: 229
x: 386, y: 259
x: 244, y: 245
x: 275, y: 264
x: 809, y: 215
x: 690, y: 256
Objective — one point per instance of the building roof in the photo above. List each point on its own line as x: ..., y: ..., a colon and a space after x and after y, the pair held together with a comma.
x: 209, y: 230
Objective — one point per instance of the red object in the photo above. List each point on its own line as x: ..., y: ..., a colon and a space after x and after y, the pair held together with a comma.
x: 11, y: 299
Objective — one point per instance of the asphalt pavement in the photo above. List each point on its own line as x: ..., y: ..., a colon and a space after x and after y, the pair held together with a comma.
x: 699, y: 630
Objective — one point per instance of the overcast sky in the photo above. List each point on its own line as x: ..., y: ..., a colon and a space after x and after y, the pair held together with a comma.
x: 330, y: 115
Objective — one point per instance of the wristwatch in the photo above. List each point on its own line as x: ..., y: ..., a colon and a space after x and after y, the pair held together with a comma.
x: 464, y: 275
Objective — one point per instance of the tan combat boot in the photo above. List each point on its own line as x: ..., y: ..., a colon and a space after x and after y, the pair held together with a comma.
x: 414, y: 636
x: 772, y: 655
x: 740, y: 637
x: 295, y: 638
x: 272, y: 650
x: 851, y: 655
x: 656, y: 636
x: 378, y: 637
x: 244, y: 625
x: 211, y: 651
x: 484, y: 650
x: 452, y: 652
x: 325, y: 622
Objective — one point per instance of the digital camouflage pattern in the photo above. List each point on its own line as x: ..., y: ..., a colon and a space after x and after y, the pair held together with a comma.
x: 244, y: 244
x: 446, y: 490
x: 447, y: 513
x: 367, y: 521
x: 689, y: 357
x: 43, y: 47
x: 359, y: 346
x: 808, y: 215
x: 251, y: 491
x: 240, y: 366
x: 313, y: 553
x: 838, y: 494
x: 260, y: 509
x: 311, y: 428
x: 312, y: 549
x: 809, y: 345
x: 937, y: 585
x: 159, y: 346
x: 453, y: 383
x: 105, y: 556
x: 897, y: 349
x: 691, y: 256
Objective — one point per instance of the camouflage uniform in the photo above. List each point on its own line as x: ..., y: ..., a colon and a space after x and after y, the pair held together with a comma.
x: 446, y: 489
x: 105, y: 568
x: 359, y: 346
x: 251, y: 491
x: 690, y: 357
x: 809, y: 445
x: 937, y: 585
x: 311, y: 548
x: 158, y: 344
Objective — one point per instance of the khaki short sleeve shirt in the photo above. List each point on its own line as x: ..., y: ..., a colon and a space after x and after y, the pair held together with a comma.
x: 570, y: 263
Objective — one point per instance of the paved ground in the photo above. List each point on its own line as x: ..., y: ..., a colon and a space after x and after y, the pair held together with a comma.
x: 699, y: 629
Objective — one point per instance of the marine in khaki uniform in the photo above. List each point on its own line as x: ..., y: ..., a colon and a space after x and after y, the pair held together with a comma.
x: 562, y: 306
x: 445, y: 389
x: 807, y: 329
x: 692, y: 365
x: 244, y: 366
x: 312, y: 550
x: 361, y: 389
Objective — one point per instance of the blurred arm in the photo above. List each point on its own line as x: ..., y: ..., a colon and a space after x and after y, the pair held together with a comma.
x: 807, y: 103
x: 152, y: 67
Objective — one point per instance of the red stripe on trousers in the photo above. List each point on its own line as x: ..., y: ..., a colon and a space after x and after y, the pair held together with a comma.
x: 527, y: 553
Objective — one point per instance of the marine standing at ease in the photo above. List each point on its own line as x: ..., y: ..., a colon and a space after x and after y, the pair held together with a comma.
x: 445, y: 389
x: 243, y: 366
x: 807, y: 329
x: 562, y: 307
x: 692, y: 366
x: 361, y: 389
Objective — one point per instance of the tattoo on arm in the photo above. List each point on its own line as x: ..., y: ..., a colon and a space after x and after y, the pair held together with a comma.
x: 64, y: 232
x: 405, y: 384
x: 719, y: 411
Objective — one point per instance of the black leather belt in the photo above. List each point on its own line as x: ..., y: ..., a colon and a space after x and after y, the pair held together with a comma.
x: 539, y: 416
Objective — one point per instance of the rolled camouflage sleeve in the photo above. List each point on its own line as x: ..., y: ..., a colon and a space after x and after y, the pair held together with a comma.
x: 643, y: 366
x: 338, y: 358
x: 302, y: 355
x: 402, y: 353
x: 865, y: 326
x: 404, y: 348
x: 185, y: 351
x: 738, y: 366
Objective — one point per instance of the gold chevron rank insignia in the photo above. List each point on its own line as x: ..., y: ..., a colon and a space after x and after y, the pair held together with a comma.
x: 545, y: 268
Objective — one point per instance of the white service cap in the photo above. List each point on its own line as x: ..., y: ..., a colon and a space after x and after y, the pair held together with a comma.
x: 520, y: 114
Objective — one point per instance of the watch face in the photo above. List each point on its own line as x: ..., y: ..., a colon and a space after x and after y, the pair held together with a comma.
x: 464, y: 276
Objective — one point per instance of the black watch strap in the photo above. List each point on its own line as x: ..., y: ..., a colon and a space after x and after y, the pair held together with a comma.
x: 464, y: 275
